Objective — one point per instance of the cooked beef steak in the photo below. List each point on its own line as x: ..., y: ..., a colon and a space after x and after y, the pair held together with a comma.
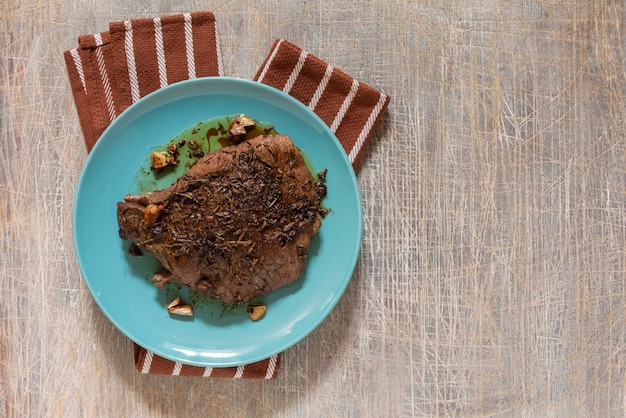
x: 236, y: 226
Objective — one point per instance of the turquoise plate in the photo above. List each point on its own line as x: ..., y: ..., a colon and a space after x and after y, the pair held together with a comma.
x: 217, y: 335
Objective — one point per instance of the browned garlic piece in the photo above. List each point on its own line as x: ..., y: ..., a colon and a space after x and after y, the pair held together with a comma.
x: 159, y: 160
x: 177, y: 307
x: 239, y: 128
x: 256, y: 312
x: 151, y: 213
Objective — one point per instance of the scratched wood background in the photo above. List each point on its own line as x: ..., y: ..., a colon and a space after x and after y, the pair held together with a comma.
x: 492, y: 279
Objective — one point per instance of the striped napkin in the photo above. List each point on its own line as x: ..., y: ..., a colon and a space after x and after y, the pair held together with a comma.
x: 349, y: 107
x: 111, y: 70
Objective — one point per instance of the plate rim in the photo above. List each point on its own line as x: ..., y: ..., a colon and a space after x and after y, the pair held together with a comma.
x: 131, y: 112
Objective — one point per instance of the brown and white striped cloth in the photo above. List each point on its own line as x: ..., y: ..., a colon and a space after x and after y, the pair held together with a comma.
x: 111, y: 70
x: 349, y: 107
x: 148, y: 362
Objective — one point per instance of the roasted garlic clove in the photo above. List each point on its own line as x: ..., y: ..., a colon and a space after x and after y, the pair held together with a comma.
x: 256, y: 312
x: 239, y: 128
x: 183, y: 310
x: 177, y: 307
x: 159, y: 160
x: 151, y: 213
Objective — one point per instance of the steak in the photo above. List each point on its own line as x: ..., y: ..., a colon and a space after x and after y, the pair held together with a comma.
x: 236, y: 226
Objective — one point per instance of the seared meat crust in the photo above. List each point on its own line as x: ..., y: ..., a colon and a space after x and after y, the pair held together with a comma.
x: 236, y: 226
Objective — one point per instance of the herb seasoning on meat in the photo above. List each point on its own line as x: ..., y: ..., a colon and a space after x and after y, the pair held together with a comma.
x: 237, y: 225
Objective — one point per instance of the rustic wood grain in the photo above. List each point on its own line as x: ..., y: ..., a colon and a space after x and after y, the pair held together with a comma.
x: 492, y: 280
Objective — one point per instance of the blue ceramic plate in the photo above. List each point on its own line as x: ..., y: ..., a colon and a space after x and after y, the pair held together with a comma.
x: 216, y: 335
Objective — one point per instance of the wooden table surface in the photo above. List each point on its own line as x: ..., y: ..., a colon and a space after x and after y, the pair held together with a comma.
x: 492, y: 276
